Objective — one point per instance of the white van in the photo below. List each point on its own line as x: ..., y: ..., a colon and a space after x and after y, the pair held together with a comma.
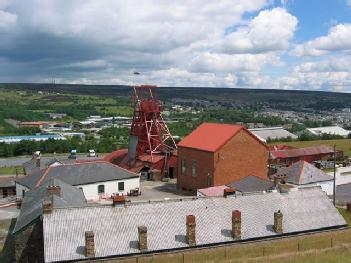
x: 91, y: 153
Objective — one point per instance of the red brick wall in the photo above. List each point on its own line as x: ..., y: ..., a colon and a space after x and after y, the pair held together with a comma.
x: 241, y: 156
x: 204, y: 165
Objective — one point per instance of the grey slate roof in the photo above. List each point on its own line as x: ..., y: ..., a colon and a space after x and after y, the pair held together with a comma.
x: 31, y: 207
x: 252, y: 183
x: 116, y: 231
x: 30, y: 166
x: 303, y: 172
x: 31, y: 180
x: 79, y: 174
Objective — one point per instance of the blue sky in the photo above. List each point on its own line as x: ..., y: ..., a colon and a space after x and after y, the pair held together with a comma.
x: 279, y: 44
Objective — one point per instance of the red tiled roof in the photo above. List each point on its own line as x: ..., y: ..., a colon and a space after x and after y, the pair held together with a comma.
x: 212, y: 136
x: 147, y: 158
x: 116, y: 154
x: 301, y: 152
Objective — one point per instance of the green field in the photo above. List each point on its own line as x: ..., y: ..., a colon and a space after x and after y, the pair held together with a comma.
x: 341, y: 144
x: 11, y: 170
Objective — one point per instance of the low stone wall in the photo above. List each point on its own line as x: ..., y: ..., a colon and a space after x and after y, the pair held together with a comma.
x: 29, y: 244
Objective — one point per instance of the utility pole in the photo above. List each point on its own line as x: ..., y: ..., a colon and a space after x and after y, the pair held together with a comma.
x: 334, y: 181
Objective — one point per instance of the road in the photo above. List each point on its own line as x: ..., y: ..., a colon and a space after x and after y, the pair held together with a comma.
x: 18, y: 161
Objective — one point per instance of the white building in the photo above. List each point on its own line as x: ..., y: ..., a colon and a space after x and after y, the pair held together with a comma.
x: 272, y: 133
x: 334, y: 130
x: 98, y: 180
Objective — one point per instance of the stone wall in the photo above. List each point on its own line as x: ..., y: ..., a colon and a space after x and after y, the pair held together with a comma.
x: 29, y: 243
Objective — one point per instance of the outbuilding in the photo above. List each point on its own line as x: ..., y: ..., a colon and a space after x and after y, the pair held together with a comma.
x: 217, y: 154
x: 97, y: 179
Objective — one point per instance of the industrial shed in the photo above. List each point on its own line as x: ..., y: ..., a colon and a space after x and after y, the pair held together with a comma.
x: 273, y: 133
x: 333, y: 130
x: 308, y: 154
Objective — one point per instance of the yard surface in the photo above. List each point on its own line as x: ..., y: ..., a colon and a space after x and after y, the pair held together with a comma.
x: 341, y: 144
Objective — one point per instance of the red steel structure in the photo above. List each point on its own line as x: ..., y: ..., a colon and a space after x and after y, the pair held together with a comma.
x: 149, y: 133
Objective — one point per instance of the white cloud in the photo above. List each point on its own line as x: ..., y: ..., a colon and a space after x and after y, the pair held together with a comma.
x: 173, y: 43
x: 270, y: 30
x: 7, y: 20
x: 327, y: 74
x: 214, y: 62
x: 348, y: 2
x: 338, y: 39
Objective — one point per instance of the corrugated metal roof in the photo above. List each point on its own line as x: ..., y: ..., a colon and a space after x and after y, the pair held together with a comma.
x: 272, y: 133
x: 329, y: 130
x: 303, y: 172
x: 116, y: 230
x: 211, y: 136
x: 301, y: 152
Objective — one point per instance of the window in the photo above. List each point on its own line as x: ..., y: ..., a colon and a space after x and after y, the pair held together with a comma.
x: 101, y: 189
x: 121, y: 186
x: 193, y: 168
x: 183, y: 167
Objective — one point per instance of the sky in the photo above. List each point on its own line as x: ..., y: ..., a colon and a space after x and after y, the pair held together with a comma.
x: 271, y: 44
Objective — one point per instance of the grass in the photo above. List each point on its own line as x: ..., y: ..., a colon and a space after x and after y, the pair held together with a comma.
x: 335, y: 255
x: 11, y: 170
x: 346, y: 215
x: 341, y: 144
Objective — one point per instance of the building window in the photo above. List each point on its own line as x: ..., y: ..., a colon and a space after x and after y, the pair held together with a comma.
x: 183, y: 167
x: 121, y: 186
x: 193, y: 168
x: 101, y: 189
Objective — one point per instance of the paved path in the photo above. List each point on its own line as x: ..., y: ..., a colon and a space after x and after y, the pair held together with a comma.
x: 156, y: 190
x: 8, y: 213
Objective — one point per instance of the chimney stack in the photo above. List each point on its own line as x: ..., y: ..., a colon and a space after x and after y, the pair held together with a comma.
x: 142, y: 231
x: 278, y: 222
x: 47, y: 207
x: 229, y: 191
x: 119, y: 201
x: 190, y: 230
x: 89, y: 244
x: 54, y: 190
x: 236, y: 224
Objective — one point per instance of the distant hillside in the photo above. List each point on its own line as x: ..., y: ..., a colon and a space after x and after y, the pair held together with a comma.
x: 279, y: 99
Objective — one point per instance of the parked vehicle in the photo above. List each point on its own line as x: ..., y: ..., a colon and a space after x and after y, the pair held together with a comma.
x: 73, y: 155
x: 92, y: 153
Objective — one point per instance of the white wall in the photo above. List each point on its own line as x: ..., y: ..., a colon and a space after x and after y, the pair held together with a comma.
x: 19, y: 190
x: 111, y: 187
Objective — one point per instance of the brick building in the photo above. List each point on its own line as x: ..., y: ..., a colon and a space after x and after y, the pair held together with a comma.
x: 218, y: 154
